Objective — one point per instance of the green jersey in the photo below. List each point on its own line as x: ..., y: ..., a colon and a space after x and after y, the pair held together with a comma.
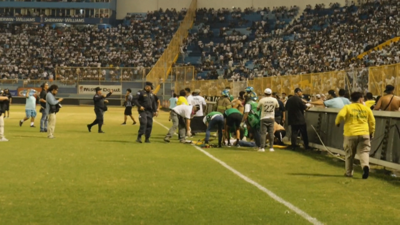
x: 231, y: 111
x: 211, y: 116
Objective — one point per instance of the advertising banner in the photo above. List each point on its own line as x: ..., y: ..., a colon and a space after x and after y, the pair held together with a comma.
x: 90, y: 89
x: 53, y: 20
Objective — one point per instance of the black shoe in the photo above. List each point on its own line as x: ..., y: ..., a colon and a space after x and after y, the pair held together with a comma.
x: 101, y: 132
x: 123, y: 124
x: 147, y: 141
x: 89, y: 128
x: 33, y: 126
x: 134, y: 122
x: 20, y: 123
x: 139, y: 141
x: 45, y: 130
x: 366, y: 172
x: 219, y: 145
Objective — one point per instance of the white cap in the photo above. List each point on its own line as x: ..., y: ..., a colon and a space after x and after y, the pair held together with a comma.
x: 268, y: 91
x: 318, y: 95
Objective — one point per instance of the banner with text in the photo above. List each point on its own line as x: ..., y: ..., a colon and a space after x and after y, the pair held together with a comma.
x: 90, y: 89
x: 53, y: 20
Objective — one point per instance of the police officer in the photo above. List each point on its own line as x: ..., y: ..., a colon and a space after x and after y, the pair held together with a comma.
x: 147, y: 107
x: 99, y: 108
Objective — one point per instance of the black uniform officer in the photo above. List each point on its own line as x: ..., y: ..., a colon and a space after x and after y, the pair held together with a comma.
x: 99, y: 109
x: 147, y: 107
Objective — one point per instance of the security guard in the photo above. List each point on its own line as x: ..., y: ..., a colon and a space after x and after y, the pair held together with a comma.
x: 99, y: 108
x: 147, y: 107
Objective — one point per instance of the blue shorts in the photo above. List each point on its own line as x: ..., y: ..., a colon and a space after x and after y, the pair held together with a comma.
x: 30, y: 113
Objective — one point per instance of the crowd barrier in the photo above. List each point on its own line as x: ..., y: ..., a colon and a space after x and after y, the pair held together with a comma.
x: 162, y: 68
x: 385, y: 149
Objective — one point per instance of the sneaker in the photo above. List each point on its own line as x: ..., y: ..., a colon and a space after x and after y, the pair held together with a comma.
x: 20, y: 123
x: 33, y: 126
x: 147, y: 141
x: 123, y: 124
x: 51, y: 137
x: 134, y: 122
x: 186, y: 142
x: 347, y: 175
x: 244, y: 139
x: 139, y: 141
x: 366, y: 172
x: 3, y: 139
x: 167, y: 139
x: 271, y: 150
x: 261, y: 150
x: 89, y: 128
x: 45, y: 130
x: 101, y: 132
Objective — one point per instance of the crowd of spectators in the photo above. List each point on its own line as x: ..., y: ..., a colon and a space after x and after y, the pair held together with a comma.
x: 33, y: 52
x: 322, y: 39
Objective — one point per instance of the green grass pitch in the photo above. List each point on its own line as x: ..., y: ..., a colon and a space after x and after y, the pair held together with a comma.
x: 91, y: 178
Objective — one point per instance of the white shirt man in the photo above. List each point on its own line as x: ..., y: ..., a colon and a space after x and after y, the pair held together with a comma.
x: 198, y: 100
x: 267, y: 105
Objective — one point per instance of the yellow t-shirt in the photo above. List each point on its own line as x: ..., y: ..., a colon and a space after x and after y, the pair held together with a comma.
x: 182, y: 100
x: 358, y: 120
x: 370, y: 103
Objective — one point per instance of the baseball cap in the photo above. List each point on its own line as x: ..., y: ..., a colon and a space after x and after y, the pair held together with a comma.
x: 268, y: 91
x: 389, y: 88
x: 297, y: 90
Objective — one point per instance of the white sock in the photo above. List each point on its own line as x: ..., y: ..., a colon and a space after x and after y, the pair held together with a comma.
x: 32, y: 123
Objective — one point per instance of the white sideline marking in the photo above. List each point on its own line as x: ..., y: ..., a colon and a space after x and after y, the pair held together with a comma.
x: 259, y: 186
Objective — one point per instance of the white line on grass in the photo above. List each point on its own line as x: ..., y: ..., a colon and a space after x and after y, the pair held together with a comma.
x: 259, y: 186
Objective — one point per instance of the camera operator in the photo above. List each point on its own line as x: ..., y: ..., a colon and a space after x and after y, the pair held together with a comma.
x: 99, y: 109
x: 3, y: 104
x: 52, y: 107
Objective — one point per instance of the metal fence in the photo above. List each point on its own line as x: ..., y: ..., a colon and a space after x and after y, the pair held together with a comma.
x: 384, y: 146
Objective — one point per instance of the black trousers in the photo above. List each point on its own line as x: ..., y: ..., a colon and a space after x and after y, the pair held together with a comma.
x: 295, y: 131
x: 146, y: 123
x: 99, y: 118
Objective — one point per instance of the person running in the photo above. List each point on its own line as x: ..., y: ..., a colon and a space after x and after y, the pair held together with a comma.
x: 359, y: 129
x: 128, y: 107
x: 30, y: 107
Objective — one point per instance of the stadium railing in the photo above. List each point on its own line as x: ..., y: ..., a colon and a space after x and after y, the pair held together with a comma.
x: 163, y: 67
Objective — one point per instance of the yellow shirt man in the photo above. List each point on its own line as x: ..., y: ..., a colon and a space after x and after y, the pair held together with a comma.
x: 359, y: 126
x: 182, y: 100
x: 358, y: 120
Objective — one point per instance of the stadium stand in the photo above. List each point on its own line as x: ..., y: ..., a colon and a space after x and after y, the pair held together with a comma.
x: 312, y: 43
x: 31, y: 51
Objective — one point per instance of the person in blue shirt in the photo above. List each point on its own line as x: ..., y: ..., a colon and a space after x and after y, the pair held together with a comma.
x: 51, y: 109
x: 333, y: 101
x: 172, y: 101
x: 30, y: 107
x: 342, y: 94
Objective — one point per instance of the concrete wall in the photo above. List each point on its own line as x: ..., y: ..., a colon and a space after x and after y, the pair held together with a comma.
x: 129, y: 6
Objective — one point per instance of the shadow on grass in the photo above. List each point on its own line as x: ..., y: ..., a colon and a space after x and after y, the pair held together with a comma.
x: 376, y: 171
x: 117, y: 141
x: 319, y: 175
